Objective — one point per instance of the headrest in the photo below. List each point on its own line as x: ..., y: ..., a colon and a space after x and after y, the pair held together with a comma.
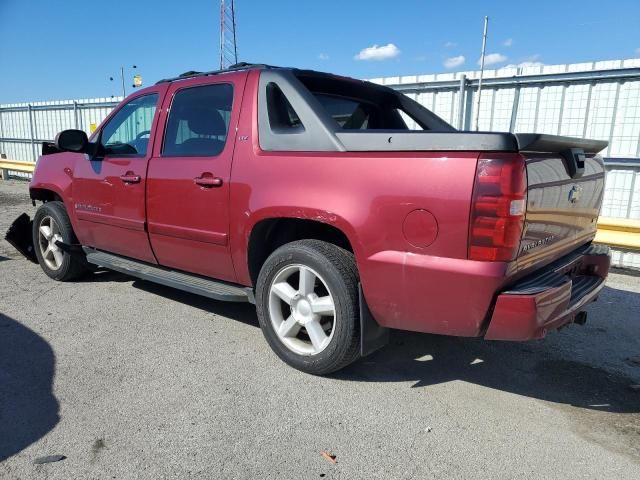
x: 206, y: 121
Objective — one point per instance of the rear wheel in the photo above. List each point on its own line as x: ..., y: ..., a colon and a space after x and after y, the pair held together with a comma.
x: 51, y: 224
x: 307, y: 302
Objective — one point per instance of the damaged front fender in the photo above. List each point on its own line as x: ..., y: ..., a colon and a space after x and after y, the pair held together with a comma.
x: 20, y: 235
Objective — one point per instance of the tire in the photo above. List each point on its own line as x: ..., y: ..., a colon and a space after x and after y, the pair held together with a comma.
x: 56, y: 263
x: 326, y: 302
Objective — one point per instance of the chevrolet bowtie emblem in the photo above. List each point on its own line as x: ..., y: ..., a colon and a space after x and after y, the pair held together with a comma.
x: 574, y: 194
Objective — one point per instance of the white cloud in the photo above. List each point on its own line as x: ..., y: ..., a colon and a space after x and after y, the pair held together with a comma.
x: 508, y: 42
x: 376, y: 52
x: 492, y: 59
x: 323, y: 56
x: 450, y: 45
x: 530, y: 61
x: 453, y: 62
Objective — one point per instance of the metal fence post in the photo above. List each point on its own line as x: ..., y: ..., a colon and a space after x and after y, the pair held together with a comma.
x: 562, y: 99
x: 75, y: 114
x: 32, y: 134
x: 461, y: 94
x: 587, y: 111
x: 514, y: 110
x: 1, y: 132
x: 614, y: 114
x: 4, y: 174
x: 494, y: 94
x: 631, y: 194
x: 435, y: 98
x: 468, y: 109
x: 535, y: 118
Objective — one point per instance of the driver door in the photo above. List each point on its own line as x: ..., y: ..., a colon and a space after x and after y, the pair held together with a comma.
x: 109, y: 191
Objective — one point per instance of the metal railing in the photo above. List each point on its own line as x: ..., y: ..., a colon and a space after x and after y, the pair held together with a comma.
x: 563, y: 100
x: 575, y: 100
x: 24, y: 127
x: 619, y: 233
x: 7, y: 167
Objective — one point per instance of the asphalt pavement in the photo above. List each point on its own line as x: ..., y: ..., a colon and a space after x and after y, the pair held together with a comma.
x: 130, y: 380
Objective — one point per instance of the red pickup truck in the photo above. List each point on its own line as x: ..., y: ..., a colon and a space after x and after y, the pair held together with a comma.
x: 341, y: 208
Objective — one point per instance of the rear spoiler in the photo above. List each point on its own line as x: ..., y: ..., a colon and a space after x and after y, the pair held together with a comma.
x: 537, y: 142
x: 432, y: 141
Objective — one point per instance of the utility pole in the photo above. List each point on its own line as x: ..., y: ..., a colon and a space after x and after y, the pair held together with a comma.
x: 484, y: 48
x: 228, y: 44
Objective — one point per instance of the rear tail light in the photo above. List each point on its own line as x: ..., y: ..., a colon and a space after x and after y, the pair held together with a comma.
x: 498, y: 208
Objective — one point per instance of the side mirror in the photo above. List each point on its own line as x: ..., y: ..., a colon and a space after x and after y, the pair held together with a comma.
x: 72, y: 141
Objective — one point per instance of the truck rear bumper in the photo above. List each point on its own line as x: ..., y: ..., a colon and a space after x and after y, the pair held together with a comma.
x: 550, y: 298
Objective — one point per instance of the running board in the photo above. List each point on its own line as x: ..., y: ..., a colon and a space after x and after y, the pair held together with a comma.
x: 215, y: 289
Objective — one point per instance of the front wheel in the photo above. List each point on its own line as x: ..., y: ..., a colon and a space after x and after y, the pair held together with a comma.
x: 307, y: 302
x: 51, y: 224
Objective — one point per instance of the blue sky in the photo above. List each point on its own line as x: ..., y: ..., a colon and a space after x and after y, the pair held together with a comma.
x: 69, y: 48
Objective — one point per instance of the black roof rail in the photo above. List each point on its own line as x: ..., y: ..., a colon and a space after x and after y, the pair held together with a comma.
x: 232, y: 68
x: 190, y: 73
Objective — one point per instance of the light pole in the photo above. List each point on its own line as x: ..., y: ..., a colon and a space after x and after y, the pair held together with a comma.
x: 137, y: 80
x: 484, y: 48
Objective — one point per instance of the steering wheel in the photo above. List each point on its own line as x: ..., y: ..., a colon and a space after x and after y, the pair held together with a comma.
x: 143, y: 134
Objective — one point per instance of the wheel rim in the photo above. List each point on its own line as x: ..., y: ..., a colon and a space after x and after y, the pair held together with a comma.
x: 48, y: 235
x: 302, y: 310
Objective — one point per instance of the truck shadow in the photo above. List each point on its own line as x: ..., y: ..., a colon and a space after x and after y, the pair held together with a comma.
x: 28, y: 408
x: 102, y: 275
x: 241, y: 312
x: 538, y: 369
x: 565, y: 368
x: 430, y: 360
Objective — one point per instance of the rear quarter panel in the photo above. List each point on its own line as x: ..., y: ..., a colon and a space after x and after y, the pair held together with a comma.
x: 367, y: 196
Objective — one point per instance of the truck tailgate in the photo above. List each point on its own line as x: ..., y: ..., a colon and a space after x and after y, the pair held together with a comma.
x: 563, y: 203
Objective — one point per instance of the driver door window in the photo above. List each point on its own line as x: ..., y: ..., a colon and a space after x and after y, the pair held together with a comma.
x: 128, y: 132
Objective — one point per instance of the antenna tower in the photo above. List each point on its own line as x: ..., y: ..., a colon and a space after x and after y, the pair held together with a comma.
x: 228, y: 47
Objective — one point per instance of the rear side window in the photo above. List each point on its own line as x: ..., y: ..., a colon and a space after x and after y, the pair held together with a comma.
x: 282, y: 117
x: 357, y: 105
x: 198, y: 121
x: 411, y: 123
x: 348, y: 113
x: 360, y: 114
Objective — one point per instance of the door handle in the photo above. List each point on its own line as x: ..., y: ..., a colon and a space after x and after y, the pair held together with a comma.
x: 130, y: 177
x: 208, y: 181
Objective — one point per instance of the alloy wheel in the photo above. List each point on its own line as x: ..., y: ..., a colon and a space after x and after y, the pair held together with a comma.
x: 48, y: 234
x: 302, y: 310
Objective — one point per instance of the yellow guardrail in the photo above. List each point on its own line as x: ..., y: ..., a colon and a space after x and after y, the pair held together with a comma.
x: 618, y: 233
x: 7, y: 166
x: 621, y: 233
